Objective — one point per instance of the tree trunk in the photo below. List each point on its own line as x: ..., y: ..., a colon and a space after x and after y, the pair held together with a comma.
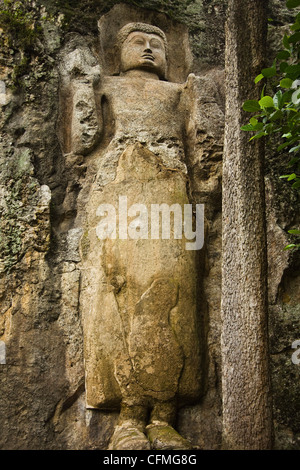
x: 247, y: 413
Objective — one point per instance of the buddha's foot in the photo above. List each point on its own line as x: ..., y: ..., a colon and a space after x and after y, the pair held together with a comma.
x: 164, y: 437
x: 128, y: 437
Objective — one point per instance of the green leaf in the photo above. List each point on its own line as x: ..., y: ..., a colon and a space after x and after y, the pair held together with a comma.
x: 292, y: 3
x: 286, y: 83
x: 247, y: 127
x: 292, y: 177
x: 296, y: 185
x: 258, y: 135
x: 287, y: 96
x: 294, y: 149
x: 285, y: 41
x: 258, y: 78
x: 282, y: 55
x: 283, y: 66
x: 251, y: 106
x: 253, y: 126
x: 282, y: 146
x: 269, y: 128
x: 269, y: 72
x: 294, y: 232
x: 266, y: 102
x: 288, y: 247
x: 292, y: 71
x: 277, y: 99
x: 276, y: 115
x: 293, y: 161
x: 295, y: 27
x: 294, y: 38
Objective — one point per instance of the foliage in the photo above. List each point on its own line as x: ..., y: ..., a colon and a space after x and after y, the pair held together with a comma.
x: 278, y: 116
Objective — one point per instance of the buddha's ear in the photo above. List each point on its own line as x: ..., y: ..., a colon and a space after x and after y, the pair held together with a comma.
x: 165, y: 76
x: 116, y: 58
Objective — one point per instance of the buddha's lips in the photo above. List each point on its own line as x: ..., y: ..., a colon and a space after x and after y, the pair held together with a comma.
x: 148, y: 56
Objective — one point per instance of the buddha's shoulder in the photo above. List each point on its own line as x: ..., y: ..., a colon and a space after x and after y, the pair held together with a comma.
x: 117, y: 81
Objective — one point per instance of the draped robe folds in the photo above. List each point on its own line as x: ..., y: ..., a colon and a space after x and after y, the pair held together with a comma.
x: 139, y: 295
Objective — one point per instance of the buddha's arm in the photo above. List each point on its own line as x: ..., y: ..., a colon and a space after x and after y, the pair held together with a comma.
x: 80, y: 122
x: 204, y: 120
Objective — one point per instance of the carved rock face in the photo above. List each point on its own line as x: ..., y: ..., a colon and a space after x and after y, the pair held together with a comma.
x: 139, y: 296
x: 143, y: 51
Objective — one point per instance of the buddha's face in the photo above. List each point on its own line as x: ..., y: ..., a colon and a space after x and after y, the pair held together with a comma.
x: 144, y: 51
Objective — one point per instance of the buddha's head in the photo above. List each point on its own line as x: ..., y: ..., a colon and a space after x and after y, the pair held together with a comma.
x: 143, y: 47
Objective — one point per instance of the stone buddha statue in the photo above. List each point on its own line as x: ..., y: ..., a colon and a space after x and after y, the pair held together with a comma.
x: 139, y: 292
x: 143, y: 51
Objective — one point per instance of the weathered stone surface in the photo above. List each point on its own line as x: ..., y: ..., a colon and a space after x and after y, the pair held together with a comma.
x: 131, y: 288
x: 163, y: 437
x: 179, y: 59
x: 42, y: 388
x: 58, y: 298
x: 129, y: 437
x: 157, y: 296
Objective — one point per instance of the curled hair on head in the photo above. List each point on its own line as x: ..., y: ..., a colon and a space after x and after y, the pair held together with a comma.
x: 144, y: 28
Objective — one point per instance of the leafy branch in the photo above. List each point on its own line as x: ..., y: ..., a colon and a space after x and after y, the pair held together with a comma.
x: 278, y: 116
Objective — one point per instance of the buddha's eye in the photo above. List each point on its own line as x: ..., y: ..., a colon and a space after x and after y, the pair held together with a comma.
x: 156, y: 44
x: 138, y: 41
